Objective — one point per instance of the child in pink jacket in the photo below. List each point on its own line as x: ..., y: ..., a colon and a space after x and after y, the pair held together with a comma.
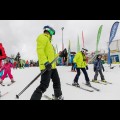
x: 7, y: 71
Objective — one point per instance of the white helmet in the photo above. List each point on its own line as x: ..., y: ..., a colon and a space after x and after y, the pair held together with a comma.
x: 84, y: 50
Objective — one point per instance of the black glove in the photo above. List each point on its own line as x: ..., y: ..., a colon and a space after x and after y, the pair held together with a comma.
x: 94, y: 69
x: 86, y: 67
x: 63, y: 53
x: 48, y: 66
x: 103, y: 70
x: 84, y: 59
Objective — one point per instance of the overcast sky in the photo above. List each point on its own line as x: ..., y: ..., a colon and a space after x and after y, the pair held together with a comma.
x: 20, y: 35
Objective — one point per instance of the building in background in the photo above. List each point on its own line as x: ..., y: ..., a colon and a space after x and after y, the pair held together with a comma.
x: 115, y: 51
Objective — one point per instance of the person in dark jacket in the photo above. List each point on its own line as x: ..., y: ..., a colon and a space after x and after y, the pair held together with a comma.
x: 73, y: 69
x: 98, y: 67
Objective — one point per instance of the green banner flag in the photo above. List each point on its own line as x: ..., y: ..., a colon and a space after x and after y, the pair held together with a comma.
x: 98, y: 38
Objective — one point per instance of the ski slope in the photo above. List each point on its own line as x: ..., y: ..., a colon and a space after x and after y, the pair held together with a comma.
x: 24, y: 76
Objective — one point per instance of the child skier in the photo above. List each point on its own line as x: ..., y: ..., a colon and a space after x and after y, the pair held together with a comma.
x: 7, y: 71
x: 98, y: 67
x: 80, y: 61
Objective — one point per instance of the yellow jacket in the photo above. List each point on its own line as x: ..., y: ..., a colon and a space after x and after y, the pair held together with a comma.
x: 45, y: 51
x: 80, y: 60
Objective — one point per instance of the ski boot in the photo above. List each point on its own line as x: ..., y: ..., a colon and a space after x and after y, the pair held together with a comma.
x: 75, y: 84
x: 1, y: 81
x: 88, y: 84
x: 104, y: 81
x: 12, y: 81
x: 57, y: 98
x: 95, y: 81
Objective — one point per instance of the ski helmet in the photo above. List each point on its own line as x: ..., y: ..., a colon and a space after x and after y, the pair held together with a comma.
x: 50, y: 30
x: 84, y: 50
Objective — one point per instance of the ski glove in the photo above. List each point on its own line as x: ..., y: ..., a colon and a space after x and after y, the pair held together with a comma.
x: 103, y: 69
x: 84, y: 59
x: 87, y: 68
x: 94, y: 69
x: 48, y: 66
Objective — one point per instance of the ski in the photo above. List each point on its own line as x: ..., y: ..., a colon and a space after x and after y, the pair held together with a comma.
x: 80, y: 88
x: 47, y: 97
x: 72, y: 71
x: 51, y: 98
x: 99, y: 82
x: 10, y: 84
x: 109, y: 82
x: 2, y: 95
x: 105, y: 82
x: 92, y: 87
x: 2, y: 84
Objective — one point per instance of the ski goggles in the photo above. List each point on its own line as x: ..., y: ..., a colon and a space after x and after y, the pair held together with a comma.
x: 52, y: 32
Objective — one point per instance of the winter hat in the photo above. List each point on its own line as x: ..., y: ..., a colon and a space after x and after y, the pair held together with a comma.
x: 99, y: 55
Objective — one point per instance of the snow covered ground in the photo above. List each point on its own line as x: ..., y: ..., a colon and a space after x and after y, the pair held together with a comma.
x: 25, y: 76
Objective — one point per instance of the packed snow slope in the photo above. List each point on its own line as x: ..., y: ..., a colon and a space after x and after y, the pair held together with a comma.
x: 24, y: 76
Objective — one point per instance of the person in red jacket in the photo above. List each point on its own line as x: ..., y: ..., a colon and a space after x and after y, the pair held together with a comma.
x: 7, y: 71
x: 15, y: 64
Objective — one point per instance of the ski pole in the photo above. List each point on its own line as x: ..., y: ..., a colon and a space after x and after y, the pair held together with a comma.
x: 17, y: 96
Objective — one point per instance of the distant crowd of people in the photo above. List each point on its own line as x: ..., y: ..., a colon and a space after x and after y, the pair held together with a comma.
x: 20, y: 63
x: 23, y: 63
